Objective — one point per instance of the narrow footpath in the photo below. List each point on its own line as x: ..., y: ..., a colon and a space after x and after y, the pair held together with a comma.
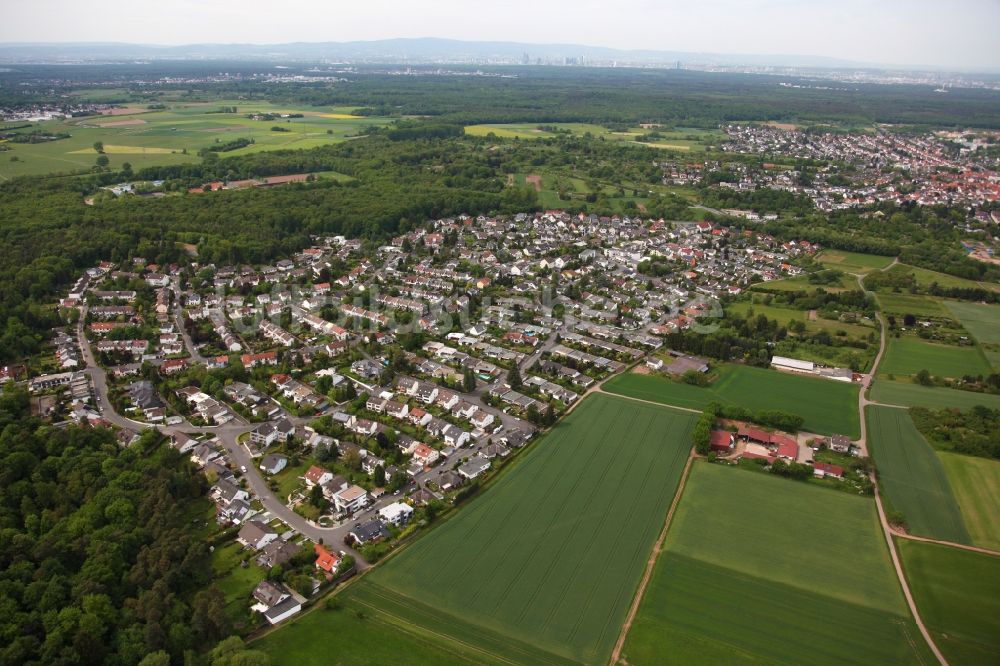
x: 886, y: 528
x: 651, y: 563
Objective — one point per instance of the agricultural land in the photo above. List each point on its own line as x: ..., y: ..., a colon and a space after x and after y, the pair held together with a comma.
x: 595, y: 490
x: 828, y: 407
x: 958, y: 593
x: 722, y: 594
x: 912, y: 477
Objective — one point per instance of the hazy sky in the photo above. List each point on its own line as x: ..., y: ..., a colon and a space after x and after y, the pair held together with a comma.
x: 949, y: 33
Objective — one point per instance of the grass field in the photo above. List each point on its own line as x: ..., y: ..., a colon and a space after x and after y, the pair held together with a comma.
x: 925, y: 278
x: 909, y: 394
x: 983, y: 323
x: 853, y: 262
x: 801, y: 283
x: 817, y: 589
x: 975, y: 482
x: 353, y: 634
x: 785, y: 316
x: 682, y: 139
x: 828, y: 407
x: 914, y: 304
x: 908, y: 355
x: 912, y: 476
x: 958, y: 595
x: 547, y: 559
x: 161, y: 137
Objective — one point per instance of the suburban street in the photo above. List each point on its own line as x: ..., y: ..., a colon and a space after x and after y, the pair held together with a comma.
x: 239, y: 456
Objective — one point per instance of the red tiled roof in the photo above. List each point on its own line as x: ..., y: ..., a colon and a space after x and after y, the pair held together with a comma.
x: 827, y: 468
x: 755, y: 434
x: 720, y: 440
x: 787, y: 447
x: 326, y: 560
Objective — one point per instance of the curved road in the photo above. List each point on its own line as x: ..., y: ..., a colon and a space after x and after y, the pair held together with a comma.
x: 228, y: 434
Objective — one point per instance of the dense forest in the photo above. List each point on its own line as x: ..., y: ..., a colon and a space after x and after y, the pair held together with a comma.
x: 98, y: 562
x: 542, y: 94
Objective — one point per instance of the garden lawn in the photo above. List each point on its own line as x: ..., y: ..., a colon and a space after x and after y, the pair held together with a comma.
x: 543, y: 565
x: 912, y: 476
x: 975, y: 482
x: 828, y: 407
x: 761, y: 569
x: 909, y: 394
x: 958, y: 596
x: 908, y: 355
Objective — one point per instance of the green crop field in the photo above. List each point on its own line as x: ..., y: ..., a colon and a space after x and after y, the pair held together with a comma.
x: 758, y: 569
x: 983, y: 323
x: 908, y: 394
x: 908, y: 355
x: 912, y: 476
x: 852, y: 262
x: 828, y: 407
x: 543, y: 565
x: 958, y: 595
x: 975, y: 482
x: 175, y: 135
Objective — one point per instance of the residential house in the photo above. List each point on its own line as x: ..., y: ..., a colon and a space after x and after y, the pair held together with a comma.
x: 317, y: 476
x: 275, y: 602
x: 325, y: 560
x: 255, y: 535
x: 474, y: 467
x: 277, y: 552
x: 350, y: 499
x: 369, y: 532
x: 273, y: 463
x: 397, y: 514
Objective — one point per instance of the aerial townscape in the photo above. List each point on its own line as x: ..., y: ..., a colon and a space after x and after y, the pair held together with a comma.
x: 441, y: 351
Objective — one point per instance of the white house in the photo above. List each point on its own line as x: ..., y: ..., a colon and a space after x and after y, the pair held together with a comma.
x: 350, y: 499
x: 398, y: 514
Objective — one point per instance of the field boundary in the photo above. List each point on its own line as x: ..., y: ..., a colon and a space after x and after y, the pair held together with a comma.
x: 651, y: 562
x: 901, y: 575
x: 600, y: 389
x: 941, y: 542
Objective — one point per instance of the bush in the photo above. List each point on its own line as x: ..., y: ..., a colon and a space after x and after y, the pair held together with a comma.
x: 702, y: 434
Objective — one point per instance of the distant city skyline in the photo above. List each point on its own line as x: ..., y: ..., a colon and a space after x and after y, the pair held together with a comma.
x: 960, y: 34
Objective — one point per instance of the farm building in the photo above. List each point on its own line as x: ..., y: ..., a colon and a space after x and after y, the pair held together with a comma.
x: 722, y: 441
x: 822, y: 469
x: 792, y: 364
